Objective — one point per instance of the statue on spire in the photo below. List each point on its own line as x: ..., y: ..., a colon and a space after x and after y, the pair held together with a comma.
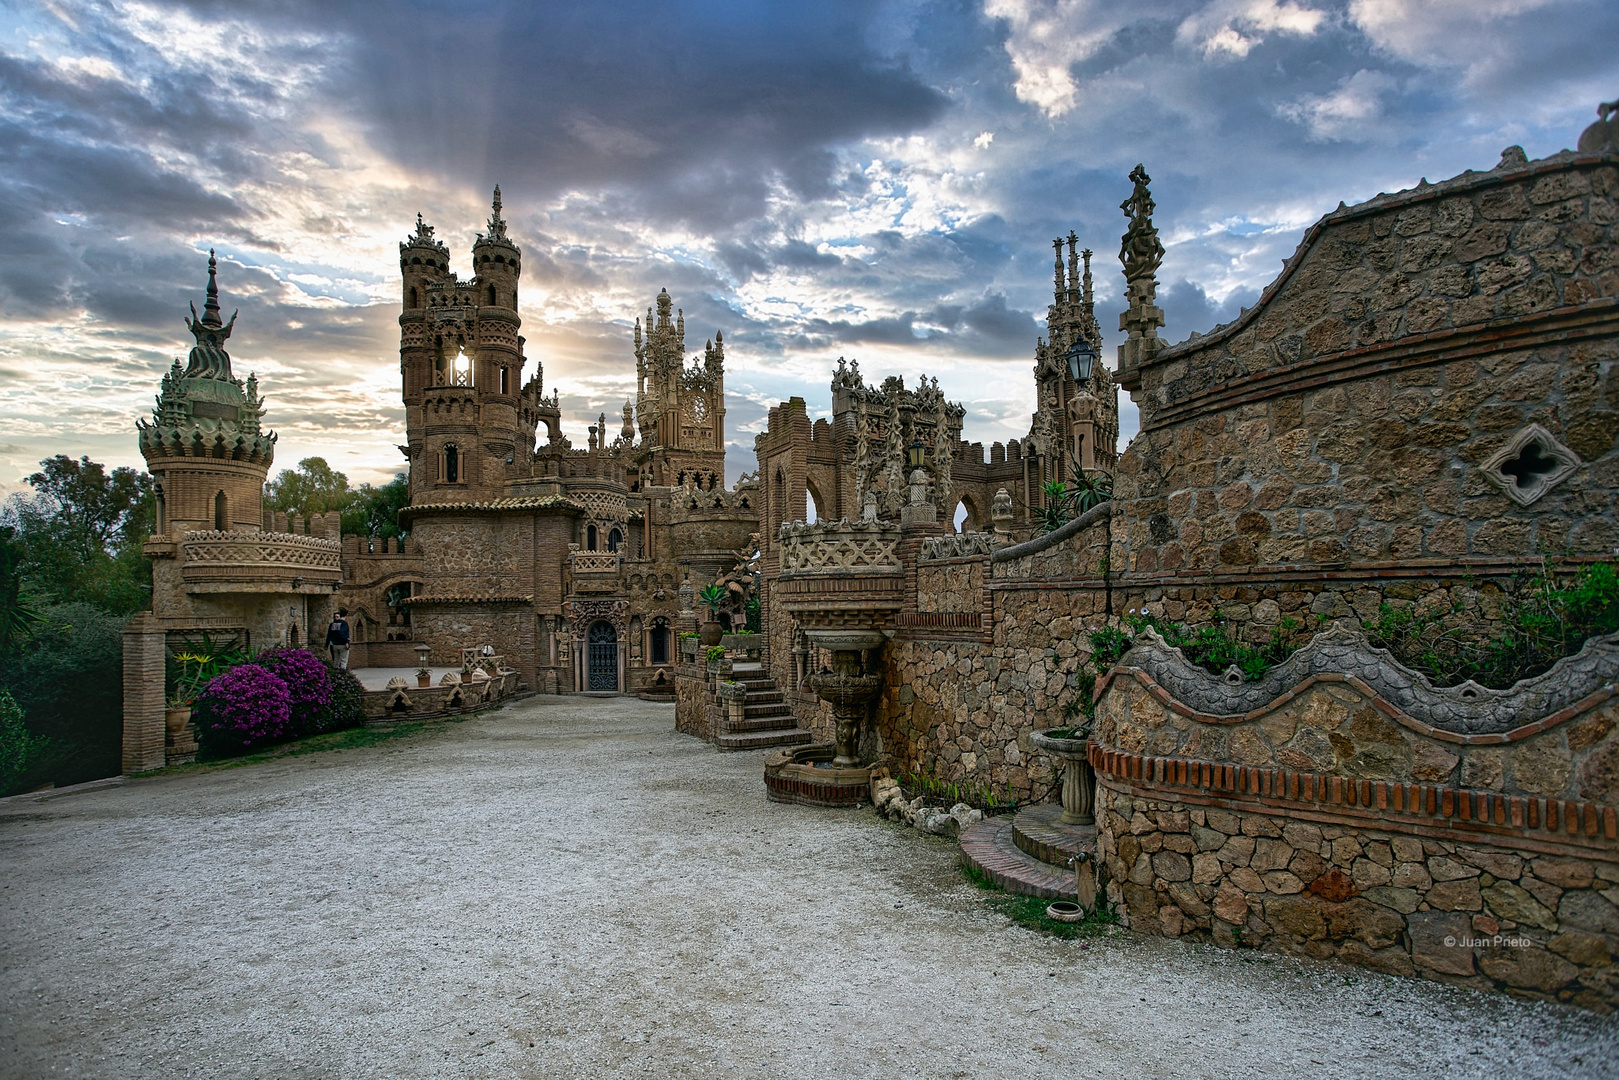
x: 1141, y: 252
x: 497, y: 224
x: 208, y: 359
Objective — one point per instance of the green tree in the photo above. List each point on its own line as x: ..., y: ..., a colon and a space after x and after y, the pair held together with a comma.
x: 81, y: 533
x: 374, y: 510
x: 18, y: 616
x: 16, y: 745
x: 314, y: 487
x: 69, y: 682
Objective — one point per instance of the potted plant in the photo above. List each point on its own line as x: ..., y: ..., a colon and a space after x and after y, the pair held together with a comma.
x: 194, y: 672
x: 424, y: 678
x: 712, y: 597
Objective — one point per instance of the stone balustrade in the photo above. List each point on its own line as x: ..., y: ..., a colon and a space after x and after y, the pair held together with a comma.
x: 258, y: 560
x: 594, y: 562
x: 840, y: 547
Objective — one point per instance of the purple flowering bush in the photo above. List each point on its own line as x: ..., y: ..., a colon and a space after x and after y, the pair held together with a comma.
x: 308, y: 683
x: 245, y: 707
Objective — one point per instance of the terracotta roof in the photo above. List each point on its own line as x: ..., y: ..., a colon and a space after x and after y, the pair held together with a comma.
x: 495, y: 506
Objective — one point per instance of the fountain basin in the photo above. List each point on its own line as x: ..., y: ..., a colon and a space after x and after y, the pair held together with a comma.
x: 807, y: 775
x: 846, y: 640
x: 1079, y: 781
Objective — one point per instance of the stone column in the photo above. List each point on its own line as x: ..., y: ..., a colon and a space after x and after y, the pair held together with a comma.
x: 143, y: 694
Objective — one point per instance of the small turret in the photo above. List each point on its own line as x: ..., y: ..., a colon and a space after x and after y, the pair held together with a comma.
x: 496, y: 260
x: 423, y: 261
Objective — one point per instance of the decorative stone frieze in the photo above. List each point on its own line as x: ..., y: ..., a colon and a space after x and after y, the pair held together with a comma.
x: 851, y: 546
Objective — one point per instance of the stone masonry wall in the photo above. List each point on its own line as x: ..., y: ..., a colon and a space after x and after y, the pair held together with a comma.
x: 1482, y: 915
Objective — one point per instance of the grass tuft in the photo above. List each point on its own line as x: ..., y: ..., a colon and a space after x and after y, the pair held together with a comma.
x: 1030, y: 911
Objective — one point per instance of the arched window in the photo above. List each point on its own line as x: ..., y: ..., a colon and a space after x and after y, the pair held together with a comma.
x: 614, y: 538
x: 491, y: 294
x: 960, y: 518
x: 452, y: 464
x: 660, y: 641
x: 413, y: 300
x: 221, y: 512
x: 590, y: 538
x: 162, y: 521
x: 505, y: 383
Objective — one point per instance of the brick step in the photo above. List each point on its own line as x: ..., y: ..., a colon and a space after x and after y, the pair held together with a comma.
x: 1037, y: 832
x: 754, y: 670
x: 764, y: 697
x: 989, y: 848
x: 766, y: 708
x: 771, y: 722
x: 763, y: 740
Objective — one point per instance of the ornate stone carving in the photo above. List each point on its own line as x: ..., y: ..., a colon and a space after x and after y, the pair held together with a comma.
x: 1530, y: 464
x: 962, y: 545
x: 842, y: 545
x: 1468, y: 709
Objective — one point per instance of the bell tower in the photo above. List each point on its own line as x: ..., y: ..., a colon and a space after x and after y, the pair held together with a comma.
x: 469, y: 418
x: 681, y: 410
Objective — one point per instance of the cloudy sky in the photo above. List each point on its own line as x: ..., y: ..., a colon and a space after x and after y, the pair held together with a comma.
x: 878, y: 180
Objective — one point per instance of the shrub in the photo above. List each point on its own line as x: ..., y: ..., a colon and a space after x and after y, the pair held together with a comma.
x: 69, y: 683
x: 1537, y: 625
x: 309, y: 687
x: 15, y: 743
x: 347, y: 709
x: 247, y: 706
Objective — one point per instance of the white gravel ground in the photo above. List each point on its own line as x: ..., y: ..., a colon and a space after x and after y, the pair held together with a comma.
x: 567, y: 887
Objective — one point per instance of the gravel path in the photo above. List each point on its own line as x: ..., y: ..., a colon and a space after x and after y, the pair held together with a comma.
x: 567, y: 887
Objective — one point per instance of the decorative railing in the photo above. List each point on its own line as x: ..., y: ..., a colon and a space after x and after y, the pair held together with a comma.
x: 839, y: 547
x: 213, y: 547
x: 959, y: 546
x: 595, y: 562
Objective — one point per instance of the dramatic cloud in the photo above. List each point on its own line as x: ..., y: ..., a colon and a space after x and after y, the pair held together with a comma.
x: 872, y: 178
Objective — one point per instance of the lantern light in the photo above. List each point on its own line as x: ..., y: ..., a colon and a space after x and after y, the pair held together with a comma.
x: 1081, y: 355
x: 915, y: 454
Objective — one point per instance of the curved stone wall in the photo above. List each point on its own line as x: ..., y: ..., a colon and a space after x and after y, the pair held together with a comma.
x: 1312, y: 813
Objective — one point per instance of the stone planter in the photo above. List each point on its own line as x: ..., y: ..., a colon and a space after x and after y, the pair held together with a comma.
x: 176, y: 719
x: 1078, y: 779
x: 423, y: 682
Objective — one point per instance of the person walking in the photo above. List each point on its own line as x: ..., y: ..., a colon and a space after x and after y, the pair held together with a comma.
x: 337, y: 640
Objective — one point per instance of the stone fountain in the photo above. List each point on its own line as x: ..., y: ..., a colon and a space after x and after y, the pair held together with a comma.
x: 831, y: 775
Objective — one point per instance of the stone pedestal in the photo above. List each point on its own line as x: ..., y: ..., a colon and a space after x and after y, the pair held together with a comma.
x: 1078, y: 780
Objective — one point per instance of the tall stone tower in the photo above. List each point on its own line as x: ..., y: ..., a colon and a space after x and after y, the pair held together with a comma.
x: 681, y: 410
x: 204, y: 445
x: 469, y: 418
x: 1077, y: 421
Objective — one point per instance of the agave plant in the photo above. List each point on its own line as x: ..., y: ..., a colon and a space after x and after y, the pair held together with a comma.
x: 712, y: 597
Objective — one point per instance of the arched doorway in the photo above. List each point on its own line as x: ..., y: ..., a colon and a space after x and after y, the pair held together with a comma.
x: 602, y: 656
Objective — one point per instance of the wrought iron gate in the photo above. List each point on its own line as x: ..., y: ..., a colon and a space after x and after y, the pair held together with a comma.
x: 603, y: 656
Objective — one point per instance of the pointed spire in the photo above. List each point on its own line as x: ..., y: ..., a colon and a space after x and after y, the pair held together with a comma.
x: 1059, y: 288
x: 1073, y: 268
x: 210, y: 307
x: 497, y: 224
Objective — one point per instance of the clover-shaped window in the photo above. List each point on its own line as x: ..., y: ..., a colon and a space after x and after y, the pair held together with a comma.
x: 1530, y: 464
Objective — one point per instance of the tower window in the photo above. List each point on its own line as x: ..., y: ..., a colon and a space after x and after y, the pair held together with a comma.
x: 452, y: 464
x: 491, y: 294
x: 221, y: 512
x: 590, y: 538
x: 413, y: 300
x: 614, y: 539
x: 505, y: 384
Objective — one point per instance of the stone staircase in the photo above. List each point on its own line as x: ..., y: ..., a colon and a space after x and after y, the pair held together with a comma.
x: 763, y: 720
x: 1028, y: 853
